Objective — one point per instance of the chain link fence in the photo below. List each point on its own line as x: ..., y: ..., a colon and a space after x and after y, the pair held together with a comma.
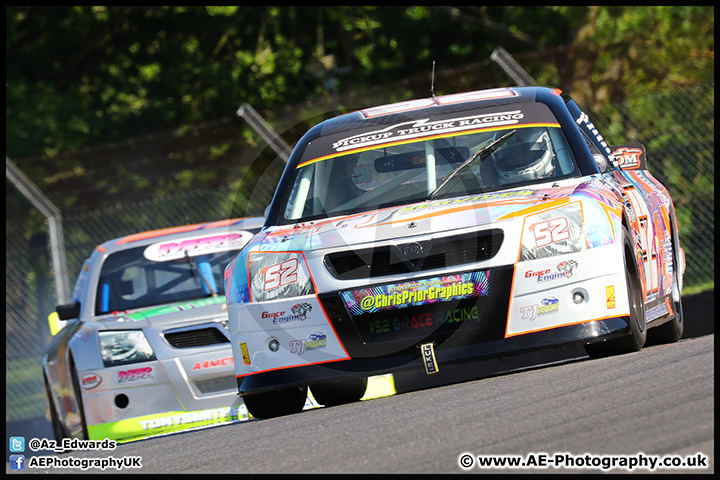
x: 680, y: 154
x: 677, y: 128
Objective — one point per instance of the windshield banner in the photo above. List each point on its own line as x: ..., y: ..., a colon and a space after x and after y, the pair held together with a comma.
x: 169, y: 250
x: 456, y: 123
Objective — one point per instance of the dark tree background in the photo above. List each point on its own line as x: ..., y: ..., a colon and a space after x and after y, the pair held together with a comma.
x: 103, y: 103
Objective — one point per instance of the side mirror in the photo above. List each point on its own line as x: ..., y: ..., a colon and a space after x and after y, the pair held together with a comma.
x: 601, y: 162
x: 267, y: 211
x: 68, y: 311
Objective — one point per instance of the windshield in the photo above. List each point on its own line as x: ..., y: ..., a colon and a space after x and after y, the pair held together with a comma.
x: 389, y: 171
x: 129, y: 279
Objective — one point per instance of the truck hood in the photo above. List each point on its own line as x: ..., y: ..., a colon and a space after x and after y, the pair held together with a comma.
x: 191, y: 312
x: 439, y: 215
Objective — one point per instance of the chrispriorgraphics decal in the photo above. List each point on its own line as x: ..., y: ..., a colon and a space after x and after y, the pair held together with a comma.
x: 418, y: 292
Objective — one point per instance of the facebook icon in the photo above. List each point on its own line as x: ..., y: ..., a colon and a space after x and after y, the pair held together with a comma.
x: 17, y: 462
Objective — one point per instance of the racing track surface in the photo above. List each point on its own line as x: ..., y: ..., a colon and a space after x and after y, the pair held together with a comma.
x: 658, y: 401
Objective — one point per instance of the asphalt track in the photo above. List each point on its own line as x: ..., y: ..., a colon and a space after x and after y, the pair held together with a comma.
x: 650, y: 404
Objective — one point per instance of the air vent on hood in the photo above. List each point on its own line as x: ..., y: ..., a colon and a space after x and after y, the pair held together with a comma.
x: 197, y: 337
x: 414, y: 256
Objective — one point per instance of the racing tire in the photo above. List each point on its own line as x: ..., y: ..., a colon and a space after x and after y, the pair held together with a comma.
x: 635, y: 340
x: 276, y: 403
x: 78, y: 399
x: 58, y: 430
x: 339, y: 392
x: 672, y: 331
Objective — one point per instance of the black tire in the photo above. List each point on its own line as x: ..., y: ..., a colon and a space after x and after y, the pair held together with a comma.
x: 339, y: 392
x: 78, y: 399
x: 58, y: 430
x: 638, y: 329
x: 276, y: 403
x: 672, y: 331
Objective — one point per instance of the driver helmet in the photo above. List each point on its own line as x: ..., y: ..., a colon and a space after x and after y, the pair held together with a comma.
x: 526, y: 156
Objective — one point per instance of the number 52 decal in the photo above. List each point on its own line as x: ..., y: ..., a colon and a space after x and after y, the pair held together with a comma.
x: 281, y: 274
x: 551, y: 231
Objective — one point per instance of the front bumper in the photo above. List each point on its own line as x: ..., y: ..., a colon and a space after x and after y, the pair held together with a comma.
x: 135, y: 401
x: 579, y: 334
x: 502, y: 317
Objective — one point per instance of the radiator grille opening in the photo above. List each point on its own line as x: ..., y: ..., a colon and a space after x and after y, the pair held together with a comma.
x: 200, y: 337
x: 438, y: 253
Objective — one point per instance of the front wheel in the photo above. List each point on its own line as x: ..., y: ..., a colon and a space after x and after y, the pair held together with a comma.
x: 58, y: 430
x: 339, y: 392
x: 638, y: 329
x: 78, y: 399
x: 276, y: 403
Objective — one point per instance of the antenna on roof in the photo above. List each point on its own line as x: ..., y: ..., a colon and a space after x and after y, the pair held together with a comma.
x: 432, y: 81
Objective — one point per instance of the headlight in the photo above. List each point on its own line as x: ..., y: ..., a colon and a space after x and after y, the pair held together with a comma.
x: 553, y: 232
x: 278, y: 275
x: 124, y: 347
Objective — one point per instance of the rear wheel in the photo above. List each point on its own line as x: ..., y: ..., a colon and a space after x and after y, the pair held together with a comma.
x: 638, y: 330
x: 670, y: 332
x: 339, y: 392
x: 276, y: 403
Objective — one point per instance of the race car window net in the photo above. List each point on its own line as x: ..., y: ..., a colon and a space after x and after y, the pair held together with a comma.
x: 128, y: 280
x: 396, y: 174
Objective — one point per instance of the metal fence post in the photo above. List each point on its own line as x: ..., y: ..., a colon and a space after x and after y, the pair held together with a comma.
x: 54, y: 219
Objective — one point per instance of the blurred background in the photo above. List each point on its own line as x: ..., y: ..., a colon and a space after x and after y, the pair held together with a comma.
x: 125, y: 119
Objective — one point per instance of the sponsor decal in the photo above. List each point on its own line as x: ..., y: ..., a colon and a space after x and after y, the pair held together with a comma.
x: 84, y: 333
x: 315, y: 341
x: 528, y: 312
x: 610, y: 296
x: 301, y: 310
x: 220, y: 362
x: 201, y: 245
x: 584, y: 120
x: 628, y: 158
x: 416, y: 293
x: 656, y: 312
x: 567, y: 267
x: 153, y: 312
x: 487, y: 197
x: 298, y: 311
x: 540, y: 273
x: 245, y: 353
x: 422, y: 127
x: 428, y: 354
x: 90, y: 381
x: 210, y: 415
x: 422, y: 320
x: 547, y: 306
x: 564, y: 270
x: 134, y: 375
